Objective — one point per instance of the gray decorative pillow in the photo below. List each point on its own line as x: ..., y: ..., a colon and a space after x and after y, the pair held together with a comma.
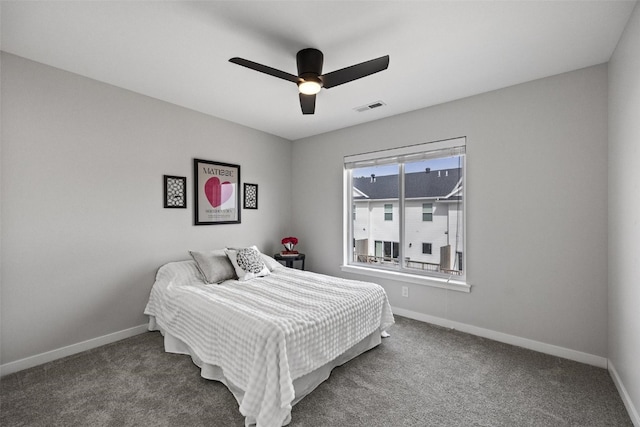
x: 248, y: 263
x: 214, y: 266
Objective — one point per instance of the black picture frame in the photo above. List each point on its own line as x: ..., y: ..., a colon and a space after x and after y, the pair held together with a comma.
x: 216, y: 192
x: 250, y: 196
x: 175, y: 192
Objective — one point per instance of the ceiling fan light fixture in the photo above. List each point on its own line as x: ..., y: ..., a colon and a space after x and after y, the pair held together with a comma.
x: 310, y: 78
x: 309, y: 86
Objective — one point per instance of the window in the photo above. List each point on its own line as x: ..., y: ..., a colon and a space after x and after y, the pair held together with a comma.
x: 427, y: 211
x: 386, y: 251
x: 424, y: 184
x: 388, y: 212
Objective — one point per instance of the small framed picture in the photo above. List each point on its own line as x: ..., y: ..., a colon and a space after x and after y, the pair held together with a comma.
x: 217, y: 192
x: 250, y: 196
x: 175, y: 191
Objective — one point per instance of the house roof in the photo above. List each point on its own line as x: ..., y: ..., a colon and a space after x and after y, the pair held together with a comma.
x: 432, y: 184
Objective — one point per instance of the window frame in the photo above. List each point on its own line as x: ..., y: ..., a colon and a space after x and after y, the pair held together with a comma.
x: 427, y: 213
x: 427, y: 248
x: 435, y: 149
x: 390, y: 213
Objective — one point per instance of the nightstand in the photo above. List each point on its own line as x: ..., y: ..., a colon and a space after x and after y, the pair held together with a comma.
x: 289, y: 259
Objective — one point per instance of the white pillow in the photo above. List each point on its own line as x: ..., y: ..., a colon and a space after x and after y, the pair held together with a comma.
x: 271, y: 263
x: 248, y: 263
x: 214, y: 266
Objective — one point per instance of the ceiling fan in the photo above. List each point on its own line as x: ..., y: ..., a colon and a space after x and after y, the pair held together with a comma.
x: 310, y: 78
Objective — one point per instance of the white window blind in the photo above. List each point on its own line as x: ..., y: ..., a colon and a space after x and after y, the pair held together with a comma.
x: 429, y: 150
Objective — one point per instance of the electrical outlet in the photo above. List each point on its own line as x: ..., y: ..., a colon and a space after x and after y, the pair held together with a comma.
x: 405, y: 291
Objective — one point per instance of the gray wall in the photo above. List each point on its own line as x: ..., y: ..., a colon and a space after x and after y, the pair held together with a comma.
x: 536, y: 207
x: 624, y: 204
x: 84, y: 230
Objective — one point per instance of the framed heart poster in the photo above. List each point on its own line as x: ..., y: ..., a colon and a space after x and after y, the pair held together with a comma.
x: 217, y: 192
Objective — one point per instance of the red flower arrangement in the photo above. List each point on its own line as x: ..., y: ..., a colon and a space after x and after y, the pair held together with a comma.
x: 289, y: 243
x: 293, y: 240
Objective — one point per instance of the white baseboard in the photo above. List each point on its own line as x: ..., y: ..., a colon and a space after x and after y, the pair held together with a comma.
x: 49, y: 356
x: 626, y: 399
x: 553, y: 350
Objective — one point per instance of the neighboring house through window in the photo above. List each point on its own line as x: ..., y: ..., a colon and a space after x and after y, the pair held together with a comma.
x: 410, y: 209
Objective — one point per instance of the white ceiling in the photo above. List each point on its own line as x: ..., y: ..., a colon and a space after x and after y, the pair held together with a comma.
x: 439, y: 50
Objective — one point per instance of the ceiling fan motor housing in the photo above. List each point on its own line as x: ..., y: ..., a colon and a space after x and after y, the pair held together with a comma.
x: 309, y: 64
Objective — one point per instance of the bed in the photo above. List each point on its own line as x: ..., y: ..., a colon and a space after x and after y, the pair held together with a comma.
x: 272, y: 337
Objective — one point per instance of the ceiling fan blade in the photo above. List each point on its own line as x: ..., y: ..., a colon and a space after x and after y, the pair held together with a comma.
x: 354, y: 72
x: 308, y: 103
x: 264, y: 69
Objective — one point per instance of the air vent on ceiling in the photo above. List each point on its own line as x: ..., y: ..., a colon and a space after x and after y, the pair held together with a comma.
x: 371, y: 106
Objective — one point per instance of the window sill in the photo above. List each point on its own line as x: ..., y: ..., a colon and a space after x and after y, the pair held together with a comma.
x: 435, y: 282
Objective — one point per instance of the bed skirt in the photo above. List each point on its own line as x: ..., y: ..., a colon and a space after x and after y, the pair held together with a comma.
x: 302, y: 386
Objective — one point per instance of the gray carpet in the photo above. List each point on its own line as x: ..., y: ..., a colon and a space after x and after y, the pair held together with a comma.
x: 422, y: 376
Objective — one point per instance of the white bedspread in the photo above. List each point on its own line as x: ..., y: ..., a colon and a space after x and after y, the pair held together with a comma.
x: 266, y: 332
